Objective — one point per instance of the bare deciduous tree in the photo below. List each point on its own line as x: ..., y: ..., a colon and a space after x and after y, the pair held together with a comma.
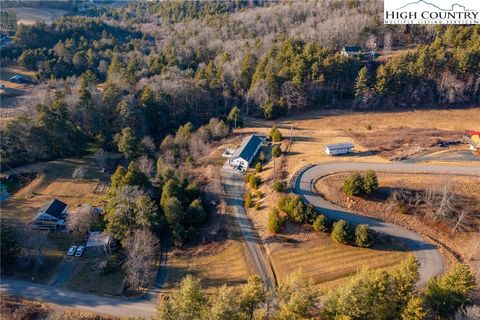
x: 80, y: 220
x: 146, y: 165
x: 34, y: 243
x: 79, y: 172
x: 142, y: 250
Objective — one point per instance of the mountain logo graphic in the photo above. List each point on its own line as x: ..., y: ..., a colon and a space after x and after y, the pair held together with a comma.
x: 435, y: 6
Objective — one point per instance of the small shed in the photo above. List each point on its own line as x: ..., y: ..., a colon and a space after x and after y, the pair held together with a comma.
x: 338, y: 148
x: 99, y: 239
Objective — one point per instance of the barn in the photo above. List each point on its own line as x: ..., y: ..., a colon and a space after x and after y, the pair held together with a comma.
x: 246, y: 152
x: 338, y: 148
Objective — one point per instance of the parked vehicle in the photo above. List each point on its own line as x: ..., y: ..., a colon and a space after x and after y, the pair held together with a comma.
x: 79, y: 252
x: 72, y: 250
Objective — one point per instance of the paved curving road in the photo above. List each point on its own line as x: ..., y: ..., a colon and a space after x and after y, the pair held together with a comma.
x: 233, y: 185
x: 429, y: 256
x: 141, y: 307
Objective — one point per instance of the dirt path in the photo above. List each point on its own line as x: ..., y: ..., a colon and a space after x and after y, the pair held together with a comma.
x: 429, y: 256
x: 233, y: 184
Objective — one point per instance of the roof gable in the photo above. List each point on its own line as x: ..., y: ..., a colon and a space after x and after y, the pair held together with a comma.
x: 54, y: 208
x: 248, y: 147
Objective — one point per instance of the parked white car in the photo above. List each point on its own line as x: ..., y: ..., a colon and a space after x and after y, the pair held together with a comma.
x: 79, y: 252
x: 72, y: 250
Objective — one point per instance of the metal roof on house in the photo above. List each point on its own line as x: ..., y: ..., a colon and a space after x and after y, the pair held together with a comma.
x: 353, y: 49
x: 247, y: 148
x: 344, y: 145
x: 54, y: 208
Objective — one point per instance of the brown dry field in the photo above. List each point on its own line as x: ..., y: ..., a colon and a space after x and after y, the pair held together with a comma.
x: 222, y: 257
x: 464, y: 244
x: 328, y: 263
x: 54, y: 180
x: 12, y: 308
x: 313, y: 129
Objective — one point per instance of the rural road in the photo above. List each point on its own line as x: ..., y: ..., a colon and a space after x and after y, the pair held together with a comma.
x: 430, y: 258
x: 233, y: 185
x: 141, y: 307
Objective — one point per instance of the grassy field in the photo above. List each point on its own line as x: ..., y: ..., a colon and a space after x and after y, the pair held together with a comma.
x: 465, y: 242
x: 313, y: 129
x: 28, y: 15
x: 328, y: 262
x: 216, y: 265
x: 54, y: 180
x: 7, y: 72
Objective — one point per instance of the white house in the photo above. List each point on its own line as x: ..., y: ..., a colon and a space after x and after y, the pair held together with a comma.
x: 338, y: 148
x: 247, y: 150
x: 51, y: 215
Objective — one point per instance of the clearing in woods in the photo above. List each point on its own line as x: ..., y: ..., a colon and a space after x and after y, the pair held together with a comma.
x: 30, y: 15
x: 54, y: 180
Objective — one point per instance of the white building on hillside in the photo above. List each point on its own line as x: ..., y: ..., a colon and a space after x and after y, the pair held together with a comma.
x: 246, y: 152
x: 338, y: 148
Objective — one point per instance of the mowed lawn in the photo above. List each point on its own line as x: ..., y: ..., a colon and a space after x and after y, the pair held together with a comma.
x: 330, y: 263
x: 54, y: 180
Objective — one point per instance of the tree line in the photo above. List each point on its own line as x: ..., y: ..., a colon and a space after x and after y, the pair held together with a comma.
x: 368, y: 295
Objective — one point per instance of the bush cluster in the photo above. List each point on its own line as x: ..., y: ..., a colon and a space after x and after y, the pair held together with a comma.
x: 361, y: 185
x: 359, y: 235
x: 275, y: 221
x: 275, y: 134
x: 296, y: 210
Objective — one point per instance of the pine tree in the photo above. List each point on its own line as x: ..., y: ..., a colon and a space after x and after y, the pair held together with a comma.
x: 361, y: 82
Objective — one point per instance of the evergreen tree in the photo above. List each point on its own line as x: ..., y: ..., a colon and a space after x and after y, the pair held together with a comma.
x: 342, y: 232
x: 361, y: 82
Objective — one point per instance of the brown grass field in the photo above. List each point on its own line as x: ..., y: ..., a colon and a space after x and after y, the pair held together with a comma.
x: 327, y: 262
x: 54, y: 180
x: 465, y: 242
x: 28, y: 15
x: 313, y: 129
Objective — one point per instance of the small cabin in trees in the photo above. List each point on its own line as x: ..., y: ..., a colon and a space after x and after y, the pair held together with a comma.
x: 246, y: 152
x: 354, y: 51
x: 338, y: 148
x: 51, y: 216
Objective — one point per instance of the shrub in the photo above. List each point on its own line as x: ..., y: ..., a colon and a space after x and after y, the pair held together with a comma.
x: 310, y: 214
x: 258, y: 193
x: 276, y: 151
x: 257, y: 206
x: 278, y: 186
x: 275, y: 221
x: 248, y: 200
x: 275, y: 134
x: 254, y: 181
x: 364, y: 237
x: 370, y: 183
x: 258, y: 167
x: 369, y: 127
x: 246, y: 178
x: 321, y: 223
x: 342, y: 232
x: 353, y: 185
x: 296, y: 210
